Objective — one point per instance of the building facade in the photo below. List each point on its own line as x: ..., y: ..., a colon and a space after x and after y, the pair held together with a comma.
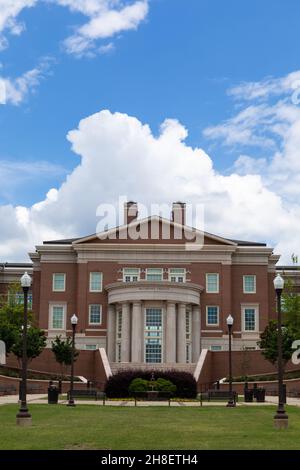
x: 148, y: 292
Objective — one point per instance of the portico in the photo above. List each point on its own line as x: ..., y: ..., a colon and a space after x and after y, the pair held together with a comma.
x: 153, y: 322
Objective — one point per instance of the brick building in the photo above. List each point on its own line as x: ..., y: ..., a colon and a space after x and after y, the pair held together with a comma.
x: 159, y: 298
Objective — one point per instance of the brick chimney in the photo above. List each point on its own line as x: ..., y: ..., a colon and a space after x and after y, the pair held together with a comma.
x: 130, y: 211
x: 178, y: 213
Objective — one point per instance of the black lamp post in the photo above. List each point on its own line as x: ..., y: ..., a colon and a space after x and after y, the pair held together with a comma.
x: 23, y: 416
x: 231, y: 402
x: 74, y: 321
x: 281, y: 418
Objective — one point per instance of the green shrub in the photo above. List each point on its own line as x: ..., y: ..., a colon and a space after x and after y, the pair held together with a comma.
x: 138, y: 385
x: 164, y: 385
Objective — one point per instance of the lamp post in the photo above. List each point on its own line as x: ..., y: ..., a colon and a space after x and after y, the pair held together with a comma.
x: 281, y: 418
x: 74, y: 321
x: 231, y: 402
x: 23, y: 416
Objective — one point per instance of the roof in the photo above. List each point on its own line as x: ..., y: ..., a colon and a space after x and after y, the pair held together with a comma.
x: 247, y: 243
x: 16, y: 265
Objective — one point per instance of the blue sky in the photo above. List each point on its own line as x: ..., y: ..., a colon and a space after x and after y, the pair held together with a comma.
x: 179, y: 62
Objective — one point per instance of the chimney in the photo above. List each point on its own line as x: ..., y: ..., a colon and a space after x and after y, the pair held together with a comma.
x: 130, y: 212
x: 178, y: 212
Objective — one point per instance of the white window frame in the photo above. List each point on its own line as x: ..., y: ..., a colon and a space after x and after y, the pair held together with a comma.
x: 53, y: 282
x: 177, y: 275
x: 244, y: 284
x: 90, y: 283
x: 218, y: 313
x: 162, y: 332
x: 50, y: 320
x: 157, y: 269
x: 217, y: 291
x: 256, y: 309
x: 95, y: 323
x: 131, y: 275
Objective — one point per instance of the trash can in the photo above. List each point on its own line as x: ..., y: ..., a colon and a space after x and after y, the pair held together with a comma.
x: 52, y: 395
x: 248, y: 395
x: 260, y: 395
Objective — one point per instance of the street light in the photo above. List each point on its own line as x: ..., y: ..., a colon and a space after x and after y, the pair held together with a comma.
x: 23, y: 416
x: 74, y: 321
x: 281, y: 418
x: 231, y: 402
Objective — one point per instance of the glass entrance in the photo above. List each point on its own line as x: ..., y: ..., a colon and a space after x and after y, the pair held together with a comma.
x: 153, y: 335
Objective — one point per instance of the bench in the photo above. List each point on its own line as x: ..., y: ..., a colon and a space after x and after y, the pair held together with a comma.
x: 219, y: 395
x: 89, y: 393
x: 7, y: 389
x: 152, y: 396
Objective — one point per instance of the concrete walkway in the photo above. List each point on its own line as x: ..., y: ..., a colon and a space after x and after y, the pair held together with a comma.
x: 41, y: 399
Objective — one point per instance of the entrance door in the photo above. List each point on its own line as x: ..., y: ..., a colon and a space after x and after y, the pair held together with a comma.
x: 153, y: 335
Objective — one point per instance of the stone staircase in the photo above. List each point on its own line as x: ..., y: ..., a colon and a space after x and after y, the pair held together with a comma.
x: 121, y: 366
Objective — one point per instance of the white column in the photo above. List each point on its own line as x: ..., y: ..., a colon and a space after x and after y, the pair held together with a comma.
x: 181, y: 334
x: 196, y: 332
x: 136, y: 337
x: 125, y: 341
x: 111, y: 333
x: 171, y: 333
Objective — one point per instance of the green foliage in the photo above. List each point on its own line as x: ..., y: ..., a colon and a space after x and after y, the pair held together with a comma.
x: 11, y: 324
x: 62, y: 349
x: 291, y: 307
x: 160, y: 385
x: 138, y: 385
x: 8, y: 334
x: 269, y: 342
x: 164, y: 385
x: 36, y: 341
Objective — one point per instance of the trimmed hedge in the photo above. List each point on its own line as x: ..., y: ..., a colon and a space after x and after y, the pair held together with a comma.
x: 117, y: 385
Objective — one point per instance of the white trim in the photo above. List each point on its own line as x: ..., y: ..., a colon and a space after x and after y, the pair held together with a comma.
x: 218, y: 283
x: 53, y: 282
x: 254, y: 307
x: 95, y: 323
x: 218, y: 314
x: 90, y: 281
x: 244, y: 284
x: 161, y: 308
x: 50, y: 316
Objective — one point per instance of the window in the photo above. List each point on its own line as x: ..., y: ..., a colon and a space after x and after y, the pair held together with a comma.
x: 59, y: 282
x: 212, y: 315
x: 249, y: 319
x: 18, y: 298
x: 95, y: 282
x: 119, y: 336
x: 57, y: 320
x: 131, y: 274
x: 216, y: 347
x: 91, y: 347
x: 249, y: 284
x: 154, y: 274
x: 95, y: 314
x: 177, y: 275
x: 153, y: 335
x: 188, y: 336
x: 212, y: 283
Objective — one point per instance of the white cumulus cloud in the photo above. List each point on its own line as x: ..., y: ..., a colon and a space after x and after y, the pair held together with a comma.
x: 121, y: 156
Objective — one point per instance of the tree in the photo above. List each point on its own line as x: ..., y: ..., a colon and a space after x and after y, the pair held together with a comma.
x: 36, y: 342
x: 269, y: 343
x: 8, y: 334
x: 291, y: 307
x: 62, y: 350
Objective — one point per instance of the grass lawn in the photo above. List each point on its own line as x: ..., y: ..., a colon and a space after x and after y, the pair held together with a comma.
x: 112, y: 428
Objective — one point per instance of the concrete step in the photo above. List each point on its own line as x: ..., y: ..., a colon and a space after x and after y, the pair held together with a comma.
x: 121, y: 366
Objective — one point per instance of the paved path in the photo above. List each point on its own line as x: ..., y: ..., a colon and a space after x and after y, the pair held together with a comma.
x: 42, y: 399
